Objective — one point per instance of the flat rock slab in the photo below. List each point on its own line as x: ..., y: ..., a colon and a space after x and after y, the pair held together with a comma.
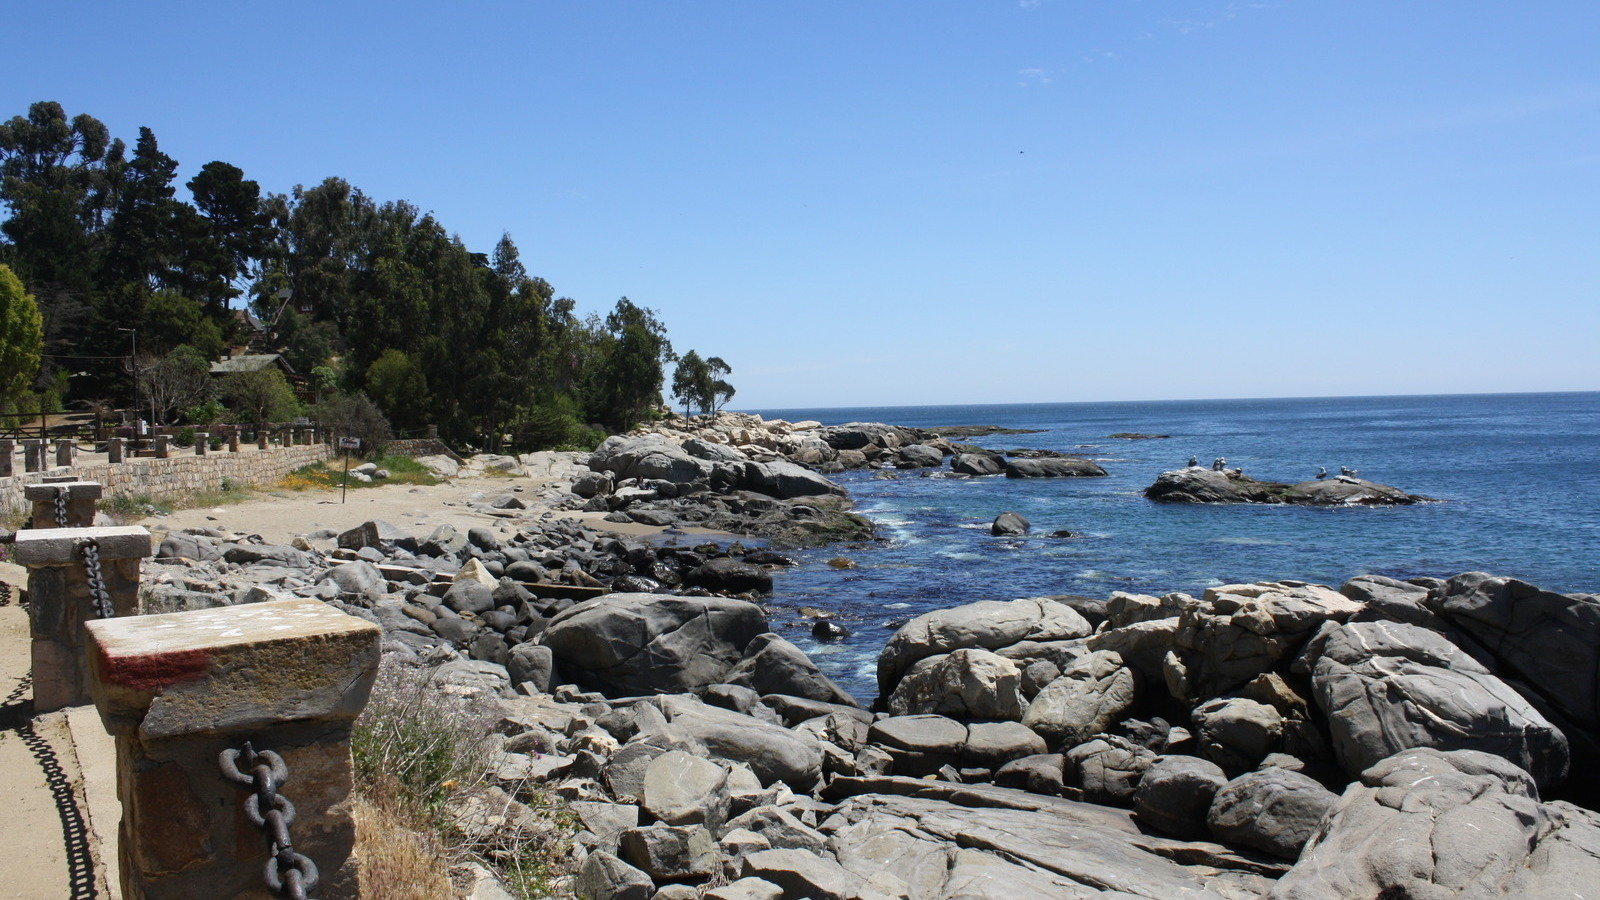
x: 231, y: 668
x: 76, y: 490
x: 36, y: 547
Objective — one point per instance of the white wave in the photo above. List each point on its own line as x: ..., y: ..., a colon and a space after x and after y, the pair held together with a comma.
x: 961, y: 557
x: 897, y: 606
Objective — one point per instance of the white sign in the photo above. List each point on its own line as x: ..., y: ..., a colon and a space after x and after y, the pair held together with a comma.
x: 349, y: 443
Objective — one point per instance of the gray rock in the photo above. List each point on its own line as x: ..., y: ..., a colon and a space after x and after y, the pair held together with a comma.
x: 358, y: 578
x: 772, y: 665
x: 730, y: 576
x: 1009, y: 523
x: 991, y: 745
x: 630, y: 644
x: 978, y: 463
x: 1274, y: 810
x: 1175, y: 794
x: 781, y: 830
x: 651, y: 456
x: 1109, y: 768
x: 773, y: 753
x: 915, y: 456
x: 1041, y: 773
x: 671, y: 852
x: 987, y: 624
x: 801, y: 874
x: 1236, y: 733
x: 683, y: 789
x: 592, y: 484
x: 1092, y: 695
x: 469, y: 597
x: 270, y: 554
x: 178, y: 545
x: 605, y: 877
x: 1052, y: 467
x: 967, y: 683
x: 1036, y: 675
x: 1200, y: 485
x: 746, y: 889
x: 1425, y: 823
x: 707, y: 450
x: 785, y: 480
x: 1388, y: 686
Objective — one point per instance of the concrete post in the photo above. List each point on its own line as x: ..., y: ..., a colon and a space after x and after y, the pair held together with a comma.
x: 177, y: 690
x: 80, y: 504
x: 8, y: 447
x: 32, y: 455
x: 115, y: 449
x: 65, y: 450
x: 202, y: 443
x: 60, y: 601
x: 433, y: 432
x: 163, y: 445
x: 233, y: 439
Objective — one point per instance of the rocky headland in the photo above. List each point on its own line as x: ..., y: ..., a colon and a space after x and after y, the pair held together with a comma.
x: 1386, y: 738
x: 1196, y: 484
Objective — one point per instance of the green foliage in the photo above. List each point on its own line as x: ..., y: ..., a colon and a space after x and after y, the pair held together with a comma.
x: 184, y: 437
x: 179, y: 380
x: 324, y: 380
x: 211, y: 412
x: 172, y: 320
x: 260, y: 396
x: 555, y: 424
x: 21, y: 337
x: 307, y: 343
x: 699, y: 383
x: 395, y: 382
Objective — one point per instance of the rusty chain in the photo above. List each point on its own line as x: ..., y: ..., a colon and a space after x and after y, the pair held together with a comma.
x: 287, y: 873
x: 96, y: 577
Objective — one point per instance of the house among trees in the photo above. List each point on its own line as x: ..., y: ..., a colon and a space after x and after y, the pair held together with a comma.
x: 251, y: 362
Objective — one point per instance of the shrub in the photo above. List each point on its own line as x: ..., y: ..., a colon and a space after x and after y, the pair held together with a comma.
x: 184, y: 437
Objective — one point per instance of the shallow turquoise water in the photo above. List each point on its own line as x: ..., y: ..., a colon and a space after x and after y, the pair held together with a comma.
x: 1520, y: 474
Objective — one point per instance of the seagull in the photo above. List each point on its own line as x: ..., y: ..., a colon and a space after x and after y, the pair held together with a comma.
x: 1322, y: 472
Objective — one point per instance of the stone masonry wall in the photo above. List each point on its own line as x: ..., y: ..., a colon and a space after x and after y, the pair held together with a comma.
x: 176, y: 476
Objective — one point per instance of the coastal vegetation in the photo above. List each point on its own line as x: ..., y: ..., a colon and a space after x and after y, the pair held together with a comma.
x: 113, y: 282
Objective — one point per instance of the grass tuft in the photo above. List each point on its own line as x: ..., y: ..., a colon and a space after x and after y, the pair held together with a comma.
x: 402, y: 470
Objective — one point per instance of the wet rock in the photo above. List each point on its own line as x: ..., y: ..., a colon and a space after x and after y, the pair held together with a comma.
x: 1058, y: 467
x: 1009, y: 523
x: 730, y: 576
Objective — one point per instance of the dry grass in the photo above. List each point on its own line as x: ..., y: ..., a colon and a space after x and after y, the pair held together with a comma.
x: 397, y: 862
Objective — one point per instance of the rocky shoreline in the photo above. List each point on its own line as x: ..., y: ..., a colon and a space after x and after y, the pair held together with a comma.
x: 1275, y: 739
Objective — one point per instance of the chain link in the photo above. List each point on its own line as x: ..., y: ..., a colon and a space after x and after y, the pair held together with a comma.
x: 287, y: 873
x: 97, y: 578
x: 61, y: 507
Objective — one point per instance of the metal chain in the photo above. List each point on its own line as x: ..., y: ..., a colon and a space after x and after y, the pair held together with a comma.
x: 5, y: 593
x: 287, y: 873
x: 97, y: 578
x: 61, y: 507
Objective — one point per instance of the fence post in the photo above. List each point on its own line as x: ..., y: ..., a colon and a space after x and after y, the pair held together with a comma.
x: 115, y: 448
x: 263, y: 435
x: 65, y: 450
x: 202, y: 443
x: 54, y: 501
x: 8, y: 447
x: 189, y: 694
x: 63, y: 595
x: 163, y: 446
x: 233, y: 439
x: 32, y: 455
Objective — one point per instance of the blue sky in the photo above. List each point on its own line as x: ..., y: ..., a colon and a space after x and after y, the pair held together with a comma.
x: 942, y: 202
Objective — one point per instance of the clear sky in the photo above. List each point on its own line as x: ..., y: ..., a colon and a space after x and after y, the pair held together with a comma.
x: 941, y: 202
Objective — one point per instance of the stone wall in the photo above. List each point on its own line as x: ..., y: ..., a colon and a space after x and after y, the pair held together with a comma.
x: 176, y: 476
x: 420, y: 447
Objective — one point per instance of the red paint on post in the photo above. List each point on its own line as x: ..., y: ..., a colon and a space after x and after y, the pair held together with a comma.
x: 154, y: 671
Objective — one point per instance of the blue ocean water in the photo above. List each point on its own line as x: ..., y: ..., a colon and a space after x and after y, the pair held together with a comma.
x: 1520, y: 474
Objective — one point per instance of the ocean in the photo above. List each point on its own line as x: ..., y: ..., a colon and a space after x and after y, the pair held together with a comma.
x: 1518, y: 476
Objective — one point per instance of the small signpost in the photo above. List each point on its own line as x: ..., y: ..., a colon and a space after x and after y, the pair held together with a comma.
x: 347, y: 444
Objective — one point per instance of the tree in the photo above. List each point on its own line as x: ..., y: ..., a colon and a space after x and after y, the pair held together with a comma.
x: 261, y: 396
x: 177, y: 381
x: 306, y: 343
x: 354, y: 415
x: 172, y: 319
x: 21, y: 337
x: 717, y: 391
x: 627, y: 384
x: 230, y: 230
x: 687, y: 380
x: 397, y: 385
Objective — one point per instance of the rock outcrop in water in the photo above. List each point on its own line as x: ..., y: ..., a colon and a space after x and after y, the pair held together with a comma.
x: 1195, y: 484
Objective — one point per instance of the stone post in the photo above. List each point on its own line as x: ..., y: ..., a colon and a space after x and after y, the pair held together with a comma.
x: 202, y: 443
x: 433, y: 432
x: 177, y: 690
x: 65, y: 450
x: 233, y: 439
x: 262, y: 436
x: 8, y: 449
x: 81, y: 499
x: 162, y: 444
x: 60, y: 601
x: 115, y: 449
x: 32, y: 455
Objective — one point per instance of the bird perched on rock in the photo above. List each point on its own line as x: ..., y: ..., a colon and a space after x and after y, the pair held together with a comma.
x: 1322, y: 472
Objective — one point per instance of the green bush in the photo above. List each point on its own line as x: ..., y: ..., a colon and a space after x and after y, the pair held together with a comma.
x: 207, y: 413
x: 555, y: 425
x: 184, y: 437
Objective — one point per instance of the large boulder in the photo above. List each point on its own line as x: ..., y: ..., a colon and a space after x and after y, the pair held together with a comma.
x: 1009, y: 523
x: 969, y: 683
x: 628, y: 644
x: 987, y: 624
x: 1237, y: 733
x: 983, y: 463
x: 774, y: 753
x: 649, y: 456
x: 772, y: 665
x: 1090, y: 697
x: 1053, y: 467
x: 1387, y: 687
x: 1272, y: 809
x: 1108, y: 768
x: 1425, y: 823
x: 1200, y: 485
x: 784, y: 480
x: 730, y: 576
x: 1242, y: 630
x: 1175, y: 794
x: 915, y: 456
